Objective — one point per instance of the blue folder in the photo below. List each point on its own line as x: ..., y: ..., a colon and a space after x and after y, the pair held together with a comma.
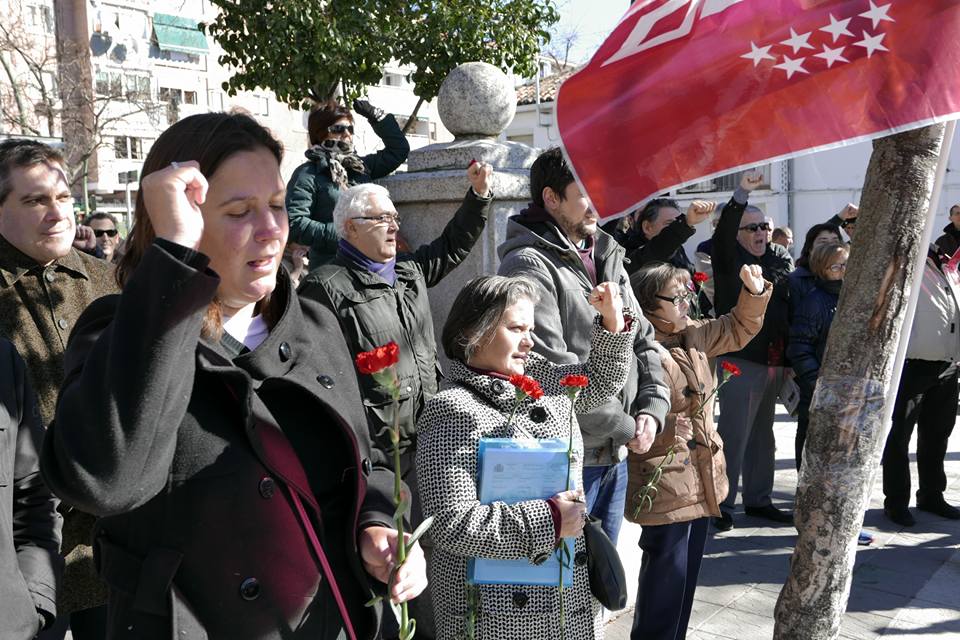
x: 512, y: 470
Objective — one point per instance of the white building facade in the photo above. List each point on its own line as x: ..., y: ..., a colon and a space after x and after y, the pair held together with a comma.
x: 798, y: 193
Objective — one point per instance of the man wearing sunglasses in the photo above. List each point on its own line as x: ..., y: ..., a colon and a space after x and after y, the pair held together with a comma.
x: 104, y: 227
x: 748, y: 401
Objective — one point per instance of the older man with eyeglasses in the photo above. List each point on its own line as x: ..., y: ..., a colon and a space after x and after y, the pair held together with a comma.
x: 380, y: 296
x: 748, y: 402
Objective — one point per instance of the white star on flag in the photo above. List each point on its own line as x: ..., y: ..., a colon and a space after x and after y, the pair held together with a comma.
x: 791, y: 66
x: 837, y: 28
x: 798, y: 41
x: 876, y: 14
x: 758, y: 53
x: 831, y: 55
x: 871, y: 43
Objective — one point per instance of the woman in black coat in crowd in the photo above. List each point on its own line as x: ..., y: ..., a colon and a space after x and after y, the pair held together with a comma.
x: 226, y: 451
x: 801, y: 279
x: 810, y: 326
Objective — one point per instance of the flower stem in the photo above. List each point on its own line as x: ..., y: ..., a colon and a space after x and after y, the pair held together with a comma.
x: 398, y: 500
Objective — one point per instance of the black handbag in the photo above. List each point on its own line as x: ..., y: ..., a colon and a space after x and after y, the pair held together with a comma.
x: 608, y: 580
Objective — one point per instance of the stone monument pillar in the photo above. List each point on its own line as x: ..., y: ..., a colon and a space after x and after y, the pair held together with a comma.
x: 476, y: 102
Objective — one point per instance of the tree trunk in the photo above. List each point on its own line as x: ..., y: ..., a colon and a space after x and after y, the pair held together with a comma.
x: 412, y: 120
x: 18, y: 99
x: 846, y: 433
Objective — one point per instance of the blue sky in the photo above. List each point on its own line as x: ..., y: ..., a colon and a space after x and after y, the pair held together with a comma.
x: 593, y: 20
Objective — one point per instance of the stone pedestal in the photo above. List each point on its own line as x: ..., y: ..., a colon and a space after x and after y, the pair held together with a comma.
x: 434, y: 186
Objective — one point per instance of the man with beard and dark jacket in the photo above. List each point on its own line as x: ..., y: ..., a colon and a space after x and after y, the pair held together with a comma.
x: 949, y: 242
x: 555, y: 243
x: 380, y: 296
x: 30, y: 562
x: 748, y: 401
x: 332, y: 166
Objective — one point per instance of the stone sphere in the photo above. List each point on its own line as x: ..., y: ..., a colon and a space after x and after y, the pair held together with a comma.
x: 476, y: 99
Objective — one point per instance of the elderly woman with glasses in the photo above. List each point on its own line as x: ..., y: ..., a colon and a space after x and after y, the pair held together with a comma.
x: 693, y: 479
x: 332, y: 166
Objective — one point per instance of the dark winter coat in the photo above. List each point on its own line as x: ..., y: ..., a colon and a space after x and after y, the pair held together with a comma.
x: 666, y: 246
x: 537, y: 249
x: 809, y: 330
x: 801, y: 282
x: 949, y: 242
x: 184, y: 456
x: 312, y: 193
x: 727, y: 257
x: 30, y: 562
x: 373, y: 313
x: 38, y: 308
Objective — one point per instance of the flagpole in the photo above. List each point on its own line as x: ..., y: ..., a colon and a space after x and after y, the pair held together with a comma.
x: 916, y: 284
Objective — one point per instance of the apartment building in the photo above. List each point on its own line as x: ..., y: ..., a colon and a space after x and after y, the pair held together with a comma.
x: 127, y: 69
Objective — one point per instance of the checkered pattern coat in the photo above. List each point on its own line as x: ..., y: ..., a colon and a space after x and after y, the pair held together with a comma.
x: 477, y: 406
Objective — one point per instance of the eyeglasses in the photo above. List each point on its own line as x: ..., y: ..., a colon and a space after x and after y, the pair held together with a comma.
x: 677, y: 299
x: 383, y: 218
x: 837, y: 268
x: 110, y: 232
x: 756, y: 226
x: 341, y: 128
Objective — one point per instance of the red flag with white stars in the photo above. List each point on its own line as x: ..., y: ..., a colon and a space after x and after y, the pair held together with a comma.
x: 685, y: 90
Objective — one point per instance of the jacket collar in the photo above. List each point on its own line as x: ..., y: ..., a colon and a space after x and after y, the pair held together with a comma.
x: 494, y: 390
x: 533, y: 227
x: 14, y: 263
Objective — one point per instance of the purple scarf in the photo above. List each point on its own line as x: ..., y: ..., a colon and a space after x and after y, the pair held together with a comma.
x: 386, y: 270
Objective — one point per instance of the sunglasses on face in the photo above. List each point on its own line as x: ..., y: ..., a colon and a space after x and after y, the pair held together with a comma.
x: 111, y: 233
x: 756, y: 226
x: 678, y: 299
x: 383, y: 218
x: 340, y: 128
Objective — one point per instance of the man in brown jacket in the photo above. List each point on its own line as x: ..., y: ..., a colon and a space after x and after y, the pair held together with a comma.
x: 45, y: 283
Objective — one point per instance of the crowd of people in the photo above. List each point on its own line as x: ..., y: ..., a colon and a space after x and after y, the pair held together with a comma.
x: 188, y: 449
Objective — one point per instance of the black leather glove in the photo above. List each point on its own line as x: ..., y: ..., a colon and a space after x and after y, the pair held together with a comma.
x: 368, y: 111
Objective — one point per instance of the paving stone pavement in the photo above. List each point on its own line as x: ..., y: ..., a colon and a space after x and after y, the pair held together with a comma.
x: 905, y: 585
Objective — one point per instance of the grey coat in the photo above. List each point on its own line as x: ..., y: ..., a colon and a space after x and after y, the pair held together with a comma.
x: 30, y: 562
x: 476, y: 406
x: 540, y: 252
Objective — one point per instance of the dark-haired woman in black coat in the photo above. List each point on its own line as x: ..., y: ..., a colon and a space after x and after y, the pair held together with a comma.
x: 212, y: 420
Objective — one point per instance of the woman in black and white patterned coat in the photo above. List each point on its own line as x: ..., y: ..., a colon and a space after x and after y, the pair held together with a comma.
x: 488, y: 338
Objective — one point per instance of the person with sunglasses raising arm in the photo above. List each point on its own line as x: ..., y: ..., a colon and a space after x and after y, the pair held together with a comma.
x: 332, y: 166
x: 748, y: 401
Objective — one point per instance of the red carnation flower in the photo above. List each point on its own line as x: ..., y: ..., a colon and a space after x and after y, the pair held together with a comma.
x: 574, y: 381
x: 378, y: 359
x: 700, y: 277
x: 527, y: 385
x: 730, y: 368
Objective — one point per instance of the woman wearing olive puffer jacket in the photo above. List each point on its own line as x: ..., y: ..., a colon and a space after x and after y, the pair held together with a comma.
x: 695, y: 482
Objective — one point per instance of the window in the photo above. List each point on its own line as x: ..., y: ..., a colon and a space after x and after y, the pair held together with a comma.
x: 423, y: 127
x: 128, y: 148
x: 137, y: 87
x: 109, y: 83
x: 727, y: 182
x: 215, y: 100
x: 177, y: 96
x: 393, y: 79
x: 189, y: 97
x: 40, y: 16
x: 261, y: 105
